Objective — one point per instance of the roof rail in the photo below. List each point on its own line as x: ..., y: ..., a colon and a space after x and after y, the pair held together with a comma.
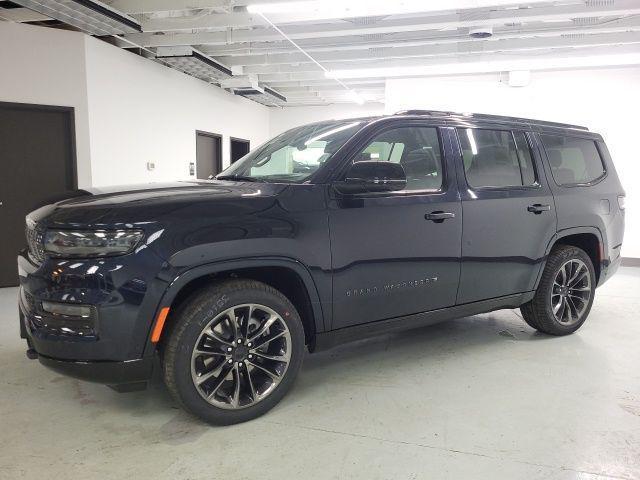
x: 484, y: 116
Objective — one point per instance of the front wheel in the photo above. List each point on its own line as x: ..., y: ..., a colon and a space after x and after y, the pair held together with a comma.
x: 565, y: 294
x: 233, y: 352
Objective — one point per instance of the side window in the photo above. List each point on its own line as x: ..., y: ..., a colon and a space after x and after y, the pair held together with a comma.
x: 573, y: 160
x: 492, y: 158
x: 417, y: 149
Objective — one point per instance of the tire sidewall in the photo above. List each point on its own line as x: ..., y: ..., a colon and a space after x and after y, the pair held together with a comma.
x: 208, y: 306
x: 563, y: 257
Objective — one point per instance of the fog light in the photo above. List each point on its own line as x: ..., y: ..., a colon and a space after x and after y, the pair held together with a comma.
x: 67, y: 309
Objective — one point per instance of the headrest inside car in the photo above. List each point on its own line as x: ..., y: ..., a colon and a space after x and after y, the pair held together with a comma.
x: 555, y: 158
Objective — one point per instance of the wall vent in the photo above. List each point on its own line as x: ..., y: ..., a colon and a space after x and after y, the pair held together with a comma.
x: 573, y: 36
x: 586, y: 21
x: 600, y: 3
x: 365, y: 20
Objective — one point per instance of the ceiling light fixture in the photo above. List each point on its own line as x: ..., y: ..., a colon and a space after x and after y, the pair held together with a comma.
x: 560, y: 63
x: 90, y: 16
x: 353, y: 95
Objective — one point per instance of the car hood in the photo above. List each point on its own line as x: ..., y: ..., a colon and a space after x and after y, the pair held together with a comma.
x: 107, y: 207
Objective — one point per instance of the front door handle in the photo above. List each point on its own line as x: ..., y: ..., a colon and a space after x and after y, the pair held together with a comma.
x: 538, y: 208
x: 439, y: 216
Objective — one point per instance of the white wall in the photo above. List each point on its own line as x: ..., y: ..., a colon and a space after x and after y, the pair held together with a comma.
x: 141, y: 111
x: 128, y: 110
x: 605, y: 100
x: 282, y: 119
x: 46, y: 66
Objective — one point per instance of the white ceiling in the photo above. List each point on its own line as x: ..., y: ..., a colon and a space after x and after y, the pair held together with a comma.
x: 362, y: 43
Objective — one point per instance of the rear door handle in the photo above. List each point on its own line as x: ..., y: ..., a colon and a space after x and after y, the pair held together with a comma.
x: 538, y: 208
x: 439, y: 216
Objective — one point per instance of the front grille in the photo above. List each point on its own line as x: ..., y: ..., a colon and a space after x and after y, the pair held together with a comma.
x: 35, y: 243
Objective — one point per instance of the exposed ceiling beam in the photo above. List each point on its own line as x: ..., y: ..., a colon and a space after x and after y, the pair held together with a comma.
x: 20, y: 15
x: 278, y: 80
x: 469, y: 47
x: 325, y: 81
x: 147, y: 6
x: 414, y: 22
x: 411, y: 39
x: 447, y: 54
x: 330, y: 88
x: 286, y: 75
x: 355, y: 10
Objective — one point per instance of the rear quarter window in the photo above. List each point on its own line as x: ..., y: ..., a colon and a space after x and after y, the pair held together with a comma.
x: 573, y: 161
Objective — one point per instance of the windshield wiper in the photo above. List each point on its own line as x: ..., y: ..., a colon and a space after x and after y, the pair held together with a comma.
x: 238, y: 178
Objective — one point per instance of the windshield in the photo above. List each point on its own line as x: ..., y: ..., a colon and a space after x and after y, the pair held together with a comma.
x: 294, y: 155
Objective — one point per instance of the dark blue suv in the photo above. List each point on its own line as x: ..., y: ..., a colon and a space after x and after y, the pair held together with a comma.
x: 327, y: 233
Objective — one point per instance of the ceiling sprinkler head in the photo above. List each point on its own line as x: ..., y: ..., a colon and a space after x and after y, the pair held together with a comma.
x: 481, y: 32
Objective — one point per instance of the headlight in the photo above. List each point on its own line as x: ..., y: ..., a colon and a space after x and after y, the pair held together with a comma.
x: 90, y: 243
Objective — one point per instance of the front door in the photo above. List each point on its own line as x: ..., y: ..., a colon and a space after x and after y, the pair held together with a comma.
x: 508, y: 213
x: 396, y: 254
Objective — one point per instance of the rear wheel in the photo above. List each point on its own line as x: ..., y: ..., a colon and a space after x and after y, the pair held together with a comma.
x: 233, y: 352
x: 565, y: 294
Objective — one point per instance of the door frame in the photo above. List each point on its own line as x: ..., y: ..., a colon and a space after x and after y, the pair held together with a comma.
x: 72, y: 180
x: 219, y: 149
x: 236, y: 139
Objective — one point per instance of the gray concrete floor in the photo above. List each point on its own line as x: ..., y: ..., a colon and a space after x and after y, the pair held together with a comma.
x: 480, y: 397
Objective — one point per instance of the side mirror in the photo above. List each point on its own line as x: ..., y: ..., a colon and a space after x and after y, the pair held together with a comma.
x: 368, y: 176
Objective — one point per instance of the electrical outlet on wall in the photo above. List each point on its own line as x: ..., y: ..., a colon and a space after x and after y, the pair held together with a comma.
x: 151, y: 166
x: 192, y: 169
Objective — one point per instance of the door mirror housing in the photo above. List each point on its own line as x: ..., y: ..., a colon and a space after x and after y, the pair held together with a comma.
x: 372, y: 176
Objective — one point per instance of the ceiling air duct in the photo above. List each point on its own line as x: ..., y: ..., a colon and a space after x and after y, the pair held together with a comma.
x: 194, y: 63
x: 264, y: 95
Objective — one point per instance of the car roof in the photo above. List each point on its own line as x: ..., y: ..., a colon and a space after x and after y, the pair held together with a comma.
x: 462, y: 119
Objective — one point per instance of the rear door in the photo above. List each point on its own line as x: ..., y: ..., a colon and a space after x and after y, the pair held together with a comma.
x: 509, y: 214
x: 393, y: 253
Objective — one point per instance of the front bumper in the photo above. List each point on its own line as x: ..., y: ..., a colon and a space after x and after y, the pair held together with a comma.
x: 109, y: 373
x: 111, y: 346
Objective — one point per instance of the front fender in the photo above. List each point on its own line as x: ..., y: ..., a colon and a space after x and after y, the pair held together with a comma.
x: 182, y: 279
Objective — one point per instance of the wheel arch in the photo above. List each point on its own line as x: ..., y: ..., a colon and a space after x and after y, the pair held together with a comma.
x: 287, y: 275
x: 589, y: 239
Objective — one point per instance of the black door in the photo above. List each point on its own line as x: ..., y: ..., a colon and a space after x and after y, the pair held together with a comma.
x: 37, y: 164
x: 208, y: 154
x: 388, y: 258
x: 508, y: 213
x: 239, y: 148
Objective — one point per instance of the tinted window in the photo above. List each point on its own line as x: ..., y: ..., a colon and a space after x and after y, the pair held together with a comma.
x: 492, y: 159
x: 417, y: 149
x: 573, y: 160
x: 295, y: 155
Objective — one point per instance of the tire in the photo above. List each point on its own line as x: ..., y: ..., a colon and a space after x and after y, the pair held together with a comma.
x: 224, y: 381
x: 547, y: 311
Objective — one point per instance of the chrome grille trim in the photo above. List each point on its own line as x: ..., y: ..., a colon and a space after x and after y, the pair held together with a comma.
x: 35, y: 241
